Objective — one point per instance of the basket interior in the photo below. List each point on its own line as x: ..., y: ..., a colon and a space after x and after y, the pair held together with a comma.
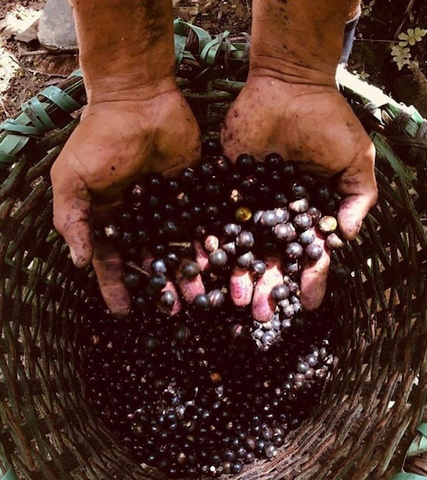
x: 370, y: 407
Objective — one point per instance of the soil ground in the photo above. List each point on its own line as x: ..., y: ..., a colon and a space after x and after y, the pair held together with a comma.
x: 26, y: 67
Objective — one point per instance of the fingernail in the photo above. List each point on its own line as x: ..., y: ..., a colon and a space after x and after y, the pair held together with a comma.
x: 73, y: 256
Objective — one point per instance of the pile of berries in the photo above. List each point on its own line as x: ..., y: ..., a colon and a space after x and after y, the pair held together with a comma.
x: 208, y: 390
x: 190, y: 394
x: 241, y: 213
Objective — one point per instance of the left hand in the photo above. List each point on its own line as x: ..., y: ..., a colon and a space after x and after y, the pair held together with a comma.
x: 115, y: 144
x: 313, y: 125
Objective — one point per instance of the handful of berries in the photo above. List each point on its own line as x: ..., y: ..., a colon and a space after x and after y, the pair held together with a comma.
x: 204, y: 389
x: 239, y: 215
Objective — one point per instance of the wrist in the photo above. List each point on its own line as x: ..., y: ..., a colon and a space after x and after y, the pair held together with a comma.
x: 300, y: 42
x: 127, y: 88
x: 292, y: 72
x: 124, y: 46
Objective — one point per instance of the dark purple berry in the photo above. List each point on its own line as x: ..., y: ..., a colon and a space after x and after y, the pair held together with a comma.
x: 273, y: 161
x: 212, y: 211
x: 222, y: 166
x: 308, y: 180
x: 202, y: 301
x: 229, y: 248
x: 133, y: 280
x: 285, y: 232
x: 259, y: 171
x: 269, y: 219
x: 282, y: 214
x: 140, y: 303
x: 313, y: 252
x: 258, y: 268
x: 216, y: 298
x: 245, y: 163
x: 294, y: 251
x: 190, y: 269
x: 250, y: 457
x: 158, y: 266
x: 246, y: 260
x: 298, y: 191
x: 172, y: 260
x: 212, y: 189
x: 299, y: 206
x: 154, y: 181
x: 157, y: 282
x: 324, y: 192
x: 292, y: 268
x: 231, y: 230
x: 206, y: 171
x: 167, y: 299
x: 211, y: 147
x: 303, y: 221
x: 315, y: 214
x: 280, y: 292
x: 236, y: 468
x: 330, y: 207
x: 307, y: 237
x: 218, y: 258
x: 280, y: 200
x: 187, y: 177
x: 289, y: 170
x: 302, y: 367
x: 245, y: 240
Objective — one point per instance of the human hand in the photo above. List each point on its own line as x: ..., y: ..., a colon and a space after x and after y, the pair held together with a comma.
x: 314, y: 126
x: 116, y: 143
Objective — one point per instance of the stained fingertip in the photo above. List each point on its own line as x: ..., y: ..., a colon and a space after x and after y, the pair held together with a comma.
x: 201, y: 256
x: 117, y: 299
x: 241, y: 287
x: 263, y: 304
x: 353, y: 210
x: 314, y: 278
x: 191, y: 288
x: 81, y: 254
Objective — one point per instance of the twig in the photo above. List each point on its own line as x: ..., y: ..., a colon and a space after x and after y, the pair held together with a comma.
x: 408, y: 11
x: 4, y: 107
x: 26, y: 70
x: 36, y: 72
x: 35, y: 52
x: 371, y: 40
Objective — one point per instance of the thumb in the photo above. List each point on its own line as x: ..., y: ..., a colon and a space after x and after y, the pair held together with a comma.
x: 72, y: 213
x: 359, y: 188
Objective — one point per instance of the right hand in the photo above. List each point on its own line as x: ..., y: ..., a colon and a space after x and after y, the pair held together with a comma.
x: 116, y: 143
x: 313, y: 125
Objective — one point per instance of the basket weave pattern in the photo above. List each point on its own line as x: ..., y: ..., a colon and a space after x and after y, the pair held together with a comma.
x: 375, y: 399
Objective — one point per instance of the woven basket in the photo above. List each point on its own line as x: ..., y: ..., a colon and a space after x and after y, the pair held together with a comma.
x: 372, y: 405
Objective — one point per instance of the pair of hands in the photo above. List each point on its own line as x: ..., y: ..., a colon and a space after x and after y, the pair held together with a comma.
x: 118, y: 141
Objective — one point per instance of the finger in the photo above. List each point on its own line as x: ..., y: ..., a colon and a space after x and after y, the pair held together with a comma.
x: 241, y: 287
x: 109, y: 270
x: 263, y: 306
x: 358, y: 185
x: 314, y: 277
x: 202, y: 257
x: 72, y: 214
x: 190, y: 287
